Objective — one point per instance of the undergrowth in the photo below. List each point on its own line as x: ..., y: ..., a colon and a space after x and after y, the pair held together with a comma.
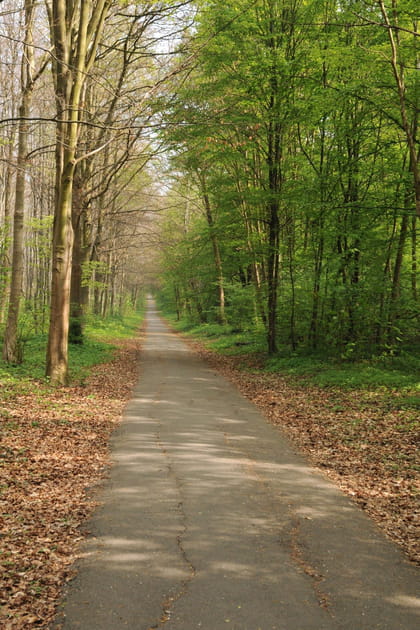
x: 388, y: 372
x: 98, y: 347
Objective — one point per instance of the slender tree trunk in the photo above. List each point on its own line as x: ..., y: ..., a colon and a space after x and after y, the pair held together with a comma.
x: 319, y: 253
x: 11, y: 349
x: 293, y: 335
x: 273, y: 277
x: 216, y: 251
x: 414, y: 258
x: 381, y: 324
x: 6, y: 257
x: 195, y: 295
x: 396, y: 277
x: 274, y: 162
x: 12, y: 353
x: 177, y: 302
x: 82, y: 247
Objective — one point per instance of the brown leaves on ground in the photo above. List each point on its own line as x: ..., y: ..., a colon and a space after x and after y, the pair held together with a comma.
x: 54, y: 450
x: 362, y: 440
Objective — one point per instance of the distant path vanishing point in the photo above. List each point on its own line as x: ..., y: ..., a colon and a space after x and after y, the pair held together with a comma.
x: 211, y: 521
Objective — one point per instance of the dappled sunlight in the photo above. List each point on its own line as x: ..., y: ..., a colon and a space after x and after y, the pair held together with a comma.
x: 123, y: 543
x: 406, y: 601
x: 136, y: 400
x: 235, y: 421
x: 244, y: 571
x: 207, y: 500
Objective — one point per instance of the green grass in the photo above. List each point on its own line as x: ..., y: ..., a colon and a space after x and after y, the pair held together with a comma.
x: 97, y: 348
x: 113, y: 328
x: 367, y: 374
x: 223, y: 338
x: 385, y: 372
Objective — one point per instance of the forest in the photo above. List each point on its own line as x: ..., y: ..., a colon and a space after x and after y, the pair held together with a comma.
x: 254, y: 163
x: 254, y: 166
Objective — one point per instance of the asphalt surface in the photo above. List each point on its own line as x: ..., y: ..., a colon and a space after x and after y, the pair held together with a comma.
x: 211, y: 521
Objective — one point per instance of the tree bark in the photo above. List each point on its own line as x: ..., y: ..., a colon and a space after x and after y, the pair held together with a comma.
x: 6, y: 257
x: 82, y: 248
x: 274, y: 163
x: 410, y: 127
x: 12, y: 352
x: 76, y: 32
x: 414, y: 258
x: 216, y: 250
x: 396, y: 276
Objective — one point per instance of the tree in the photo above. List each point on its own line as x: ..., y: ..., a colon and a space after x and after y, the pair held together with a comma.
x: 76, y: 29
x: 290, y: 112
x: 113, y: 125
x: 404, y: 23
x: 29, y: 75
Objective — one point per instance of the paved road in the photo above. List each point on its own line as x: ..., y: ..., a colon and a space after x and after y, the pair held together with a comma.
x: 210, y: 521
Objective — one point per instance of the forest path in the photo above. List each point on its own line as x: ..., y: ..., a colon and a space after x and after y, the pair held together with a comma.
x: 211, y: 521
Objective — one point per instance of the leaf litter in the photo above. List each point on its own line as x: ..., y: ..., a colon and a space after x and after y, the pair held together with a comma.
x: 54, y: 450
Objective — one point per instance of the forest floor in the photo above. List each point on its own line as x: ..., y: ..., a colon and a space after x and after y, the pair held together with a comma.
x: 55, y: 450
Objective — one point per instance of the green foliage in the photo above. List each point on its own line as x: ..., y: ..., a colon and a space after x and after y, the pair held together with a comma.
x: 33, y: 365
x: 225, y: 339
x: 408, y: 402
x: 385, y: 371
x: 97, y: 348
x: 88, y: 276
x: 113, y: 328
x: 346, y: 239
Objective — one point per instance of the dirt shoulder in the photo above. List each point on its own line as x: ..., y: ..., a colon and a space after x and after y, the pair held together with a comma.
x: 54, y: 449
x: 360, y: 439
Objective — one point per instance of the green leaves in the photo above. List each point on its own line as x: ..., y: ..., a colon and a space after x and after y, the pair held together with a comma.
x: 293, y: 107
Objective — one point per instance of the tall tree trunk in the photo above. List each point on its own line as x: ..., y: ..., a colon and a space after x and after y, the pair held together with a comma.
x: 11, y: 351
x: 291, y: 256
x: 57, y: 350
x: 274, y: 164
x: 396, y: 277
x: 82, y: 247
x: 381, y: 323
x: 319, y: 256
x: 414, y: 258
x: 216, y: 251
x: 273, y: 276
x: 75, y: 35
x: 6, y: 257
x: 319, y: 253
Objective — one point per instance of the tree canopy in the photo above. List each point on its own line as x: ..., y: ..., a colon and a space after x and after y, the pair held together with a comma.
x: 254, y: 163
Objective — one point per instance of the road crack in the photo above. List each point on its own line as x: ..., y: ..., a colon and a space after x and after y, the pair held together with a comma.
x: 299, y: 559
x: 295, y: 535
x: 170, y: 600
